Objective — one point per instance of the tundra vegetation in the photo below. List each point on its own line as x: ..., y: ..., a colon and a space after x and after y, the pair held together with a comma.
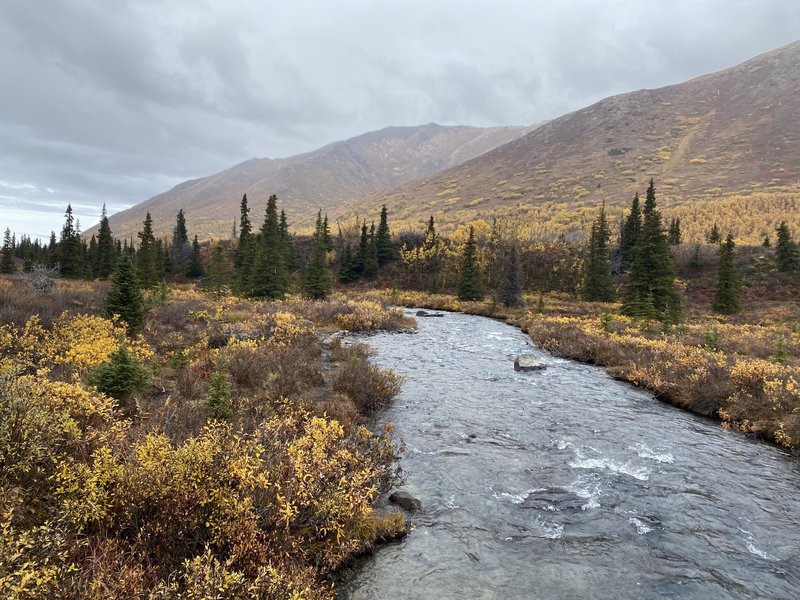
x: 173, y: 425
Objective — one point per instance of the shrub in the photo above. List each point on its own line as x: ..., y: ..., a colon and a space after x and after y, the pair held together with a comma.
x: 219, y: 397
x: 120, y: 377
x: 369, y: 387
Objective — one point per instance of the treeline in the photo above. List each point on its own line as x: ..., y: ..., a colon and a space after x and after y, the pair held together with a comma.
x: 476, y: 260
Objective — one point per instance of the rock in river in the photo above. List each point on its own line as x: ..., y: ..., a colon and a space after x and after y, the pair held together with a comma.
x: 406, y: 501
x: 525, y: 362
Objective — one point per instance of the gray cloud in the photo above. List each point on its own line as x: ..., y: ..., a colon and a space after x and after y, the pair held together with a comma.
x: 116, y: 101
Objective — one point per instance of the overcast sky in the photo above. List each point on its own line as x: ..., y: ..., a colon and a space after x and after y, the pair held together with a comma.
x: 115, y: 101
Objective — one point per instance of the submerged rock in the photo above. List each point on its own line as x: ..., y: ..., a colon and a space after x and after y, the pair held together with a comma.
x: 525, y: 362
x: 425, y: 313
x: 406, y: 501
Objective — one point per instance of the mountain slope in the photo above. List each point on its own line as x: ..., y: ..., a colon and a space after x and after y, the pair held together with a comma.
x: 732, y: 132
x: 321, y: 179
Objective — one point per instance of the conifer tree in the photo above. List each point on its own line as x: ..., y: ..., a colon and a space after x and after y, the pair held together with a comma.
x: 148, y: 270
x: 218, y: 277
x: 179, y: 249
x: 360, y: 259
x: 125, y: 296
x: 316, y: 280
x: 371, y: 261
x: 430, y: 233
x: 630, y: 232
x: 7, y: 256
x: 326, y: 234
x: 651, y: 292
x: 70, y: 251
x: 511, y: 293
x: 469, y: 285
x: 245, y: 251
x: 106, y: 252
x: 598, y: 285
x: 92, y: 255
x: 286, y: 240
x: 674, y: 235
x: 714, y: 236
x: 726, y: 297
x: 786, y: 253
x: 383, y: 239
x: 270, y: 275
x: 347, y: 272
x: 766, y: 243
x: 194, y: 268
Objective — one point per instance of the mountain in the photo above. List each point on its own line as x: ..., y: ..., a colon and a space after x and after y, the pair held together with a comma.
x: 734, y: 132
x: 322, y: 179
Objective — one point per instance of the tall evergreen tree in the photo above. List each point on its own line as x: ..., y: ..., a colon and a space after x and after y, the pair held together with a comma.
x: 383, y: 239
x: 7, y: 257
x: 431, y: 236
x: 218, y: 277
x: 598, y: 285
x: 286, y: 240
x: 371, y: 262
x: 316, y: 280
x: 786, y: 252
x: 148, y: 269
x: 70, y: 250
x: 651, y: 292
x: 360, y: 259
x: 630, y: 232
x: 194, y: 267
x: 469, y: 284
x: 270, y: 275
x: 125, y: 296
x: 245, y: 251
x: 674, y: 235
x: 326, y: 235
x: 179, y: 248
x: 511, y: 292
x: 106, y: 252
x: 347, y: 272
x: 726, y: 297
x: 714, y: 236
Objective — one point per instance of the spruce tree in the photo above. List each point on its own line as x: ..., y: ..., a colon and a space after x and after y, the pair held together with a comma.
x: 786, y: 253
x: 270, y: 275
x: 714, y: 236
x: 70, y: 250
x: 383, y: 239
x: 179, y: 248
x: 511, y: 292
x: 347, y: 272
x: 125, y: 296
x: 316, y: 276
x: 148, y: 269
x: 217, y: 278
x: 598, y: 285
x: 360, y: 259
x: 286, y: 240
x: 194, y: 267
x: 674, y: 235
x: 245, y: 251
x: 106, y: 251
x: 630, y: 232
x: 469, y: 284
x: 7, y: 257
x: 326, y: 235
x: 371, y: 261
x: 726, y: 297
x: 651, y: 292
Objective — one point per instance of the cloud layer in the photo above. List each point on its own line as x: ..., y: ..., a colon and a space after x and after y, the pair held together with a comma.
x: 116, y: 101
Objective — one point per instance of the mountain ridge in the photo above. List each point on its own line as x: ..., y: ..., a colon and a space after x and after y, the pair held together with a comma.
x: 310, y: 181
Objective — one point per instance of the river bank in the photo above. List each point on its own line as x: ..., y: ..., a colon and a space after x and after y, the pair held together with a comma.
x: 743, y: 374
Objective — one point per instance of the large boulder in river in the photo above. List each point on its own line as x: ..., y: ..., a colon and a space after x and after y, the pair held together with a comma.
x: 425, y: 313
x: 527, y: 362
x: 406, y: 501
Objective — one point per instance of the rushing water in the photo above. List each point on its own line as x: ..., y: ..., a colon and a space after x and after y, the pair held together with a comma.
x: 567, y: 484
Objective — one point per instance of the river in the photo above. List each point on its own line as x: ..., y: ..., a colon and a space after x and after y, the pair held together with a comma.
x: 565, y: 483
